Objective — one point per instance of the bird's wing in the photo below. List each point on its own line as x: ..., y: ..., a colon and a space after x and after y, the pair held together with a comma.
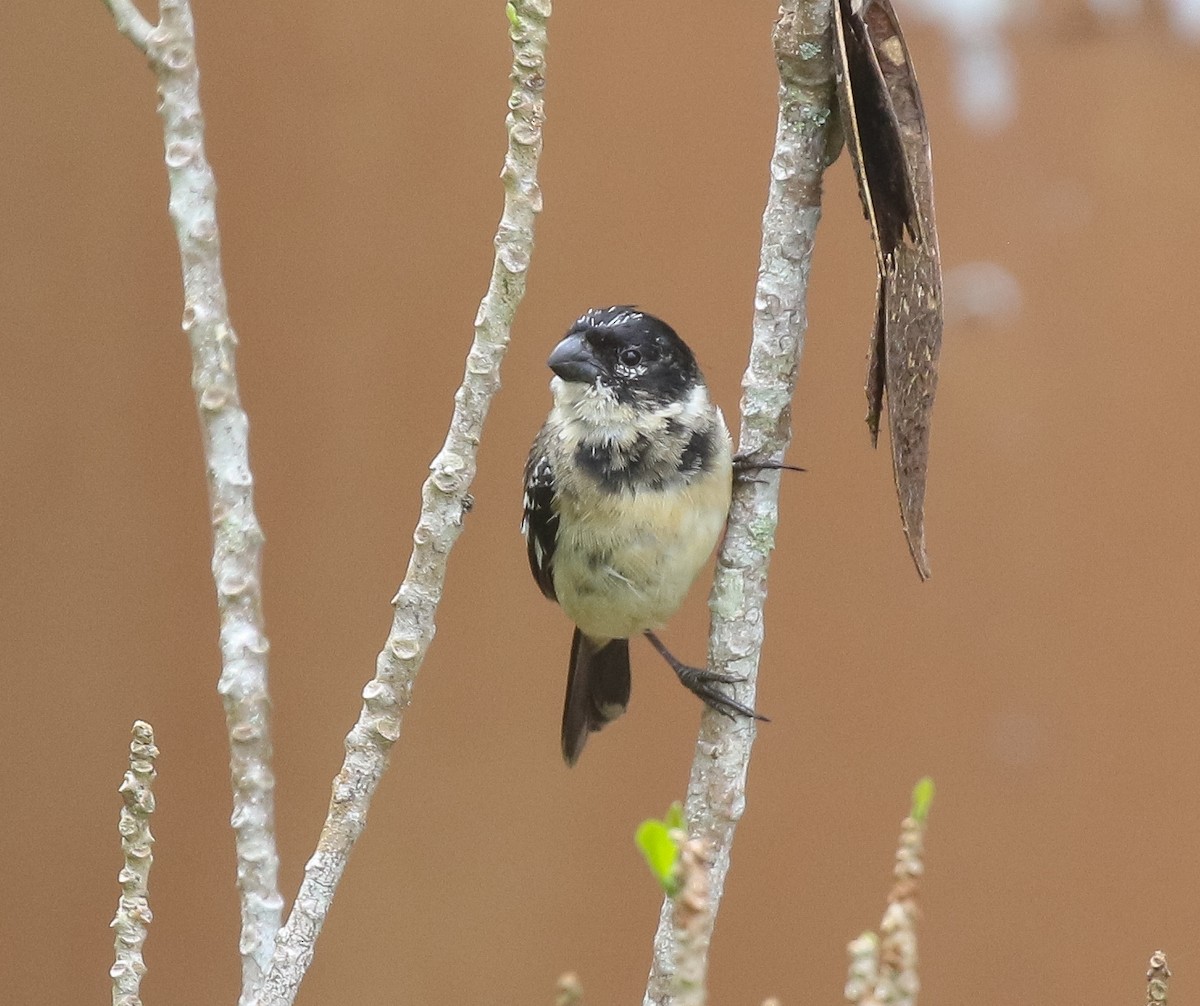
x: 539, y: 525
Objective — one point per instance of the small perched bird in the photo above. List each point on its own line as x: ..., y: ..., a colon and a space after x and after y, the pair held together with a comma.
x: 627, y: 490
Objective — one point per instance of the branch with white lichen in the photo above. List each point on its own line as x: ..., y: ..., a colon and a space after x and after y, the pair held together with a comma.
x: 883, y: 968
x: 444, y: 503
x: 803, y: 141
x: 170, y: 47
x: 133, y: 909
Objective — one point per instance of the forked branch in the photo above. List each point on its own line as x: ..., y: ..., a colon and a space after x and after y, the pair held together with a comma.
x: 275, y: 960
x: 444, y: 503
x: 170, y: 47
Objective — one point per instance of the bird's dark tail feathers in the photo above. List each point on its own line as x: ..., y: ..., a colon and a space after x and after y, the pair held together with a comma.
x: 597, y: 690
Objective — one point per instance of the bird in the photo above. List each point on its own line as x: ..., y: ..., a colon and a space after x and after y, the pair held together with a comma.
x: 627, y: 491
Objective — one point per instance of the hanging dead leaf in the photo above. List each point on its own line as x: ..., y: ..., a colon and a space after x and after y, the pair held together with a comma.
x: 884, y: 125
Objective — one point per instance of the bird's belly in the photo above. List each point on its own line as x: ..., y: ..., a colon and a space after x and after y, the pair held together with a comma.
x: 618, y: 577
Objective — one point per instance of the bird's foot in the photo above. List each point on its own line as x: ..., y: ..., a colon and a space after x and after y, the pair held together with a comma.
x: 745, y: 465
x: 702, y: 682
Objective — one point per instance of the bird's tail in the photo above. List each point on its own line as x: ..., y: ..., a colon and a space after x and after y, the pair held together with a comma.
x: 597, y: 690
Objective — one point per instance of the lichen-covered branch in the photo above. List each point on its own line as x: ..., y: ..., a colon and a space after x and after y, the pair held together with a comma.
x: 692, y: 919
x: 133, y: 909
x: 804, y: 138
x: 444, y: 504
x: 883, y: 968
x: 170, y: 47
x: 1157, y: 980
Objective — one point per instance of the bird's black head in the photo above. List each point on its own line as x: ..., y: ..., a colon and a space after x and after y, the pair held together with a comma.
x: 634, y: 354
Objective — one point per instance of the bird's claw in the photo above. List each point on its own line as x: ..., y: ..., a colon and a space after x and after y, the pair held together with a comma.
x: 701, y: 681
x: 692, y: 677
x: 745, y: 463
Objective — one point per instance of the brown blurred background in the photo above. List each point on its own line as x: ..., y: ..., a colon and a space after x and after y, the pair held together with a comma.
x: 1046, y: 676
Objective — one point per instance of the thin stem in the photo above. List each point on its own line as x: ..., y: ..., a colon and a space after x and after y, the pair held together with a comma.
x: 130, y: 23
x: 716, y: 791
x: 444, y: 503
x: 863, y: 972
x: 1158, y: 979
x: 898, y: 980
x: 568, y: 990
x: 224, y: 427
x: 883, y: 968
x: 692, y: 921
x: 133, y: 909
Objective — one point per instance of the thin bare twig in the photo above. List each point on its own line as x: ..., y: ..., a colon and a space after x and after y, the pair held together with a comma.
x: 130, y: 22
x: 170, y: 47
x: 716, y: 792
x: 863, y: 973
x: 444, y: 503
x: 883, y: 969
x: 568, y: 990
x: 1157, y: 980
x: 133, y: 909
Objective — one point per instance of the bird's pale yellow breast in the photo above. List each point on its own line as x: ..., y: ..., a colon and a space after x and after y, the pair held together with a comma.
x: 625, y: 561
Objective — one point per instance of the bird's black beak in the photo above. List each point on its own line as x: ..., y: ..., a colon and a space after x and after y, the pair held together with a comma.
x: 574, y: 360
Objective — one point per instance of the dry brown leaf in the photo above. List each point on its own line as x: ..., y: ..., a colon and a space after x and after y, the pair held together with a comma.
x: 888, y: 139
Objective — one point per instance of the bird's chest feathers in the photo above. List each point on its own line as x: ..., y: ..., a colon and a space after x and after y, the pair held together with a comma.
x: 624, y: 564
x: 620, y: 447
x: 640, y: 535
x: 641, y: 505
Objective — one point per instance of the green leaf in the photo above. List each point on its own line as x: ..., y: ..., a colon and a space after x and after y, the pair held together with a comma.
x: 662, y: 854
x: 510, y: 9
x: 922, y: 797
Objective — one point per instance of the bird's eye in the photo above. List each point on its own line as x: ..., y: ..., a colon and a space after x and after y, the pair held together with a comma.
x: 631, y: 357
